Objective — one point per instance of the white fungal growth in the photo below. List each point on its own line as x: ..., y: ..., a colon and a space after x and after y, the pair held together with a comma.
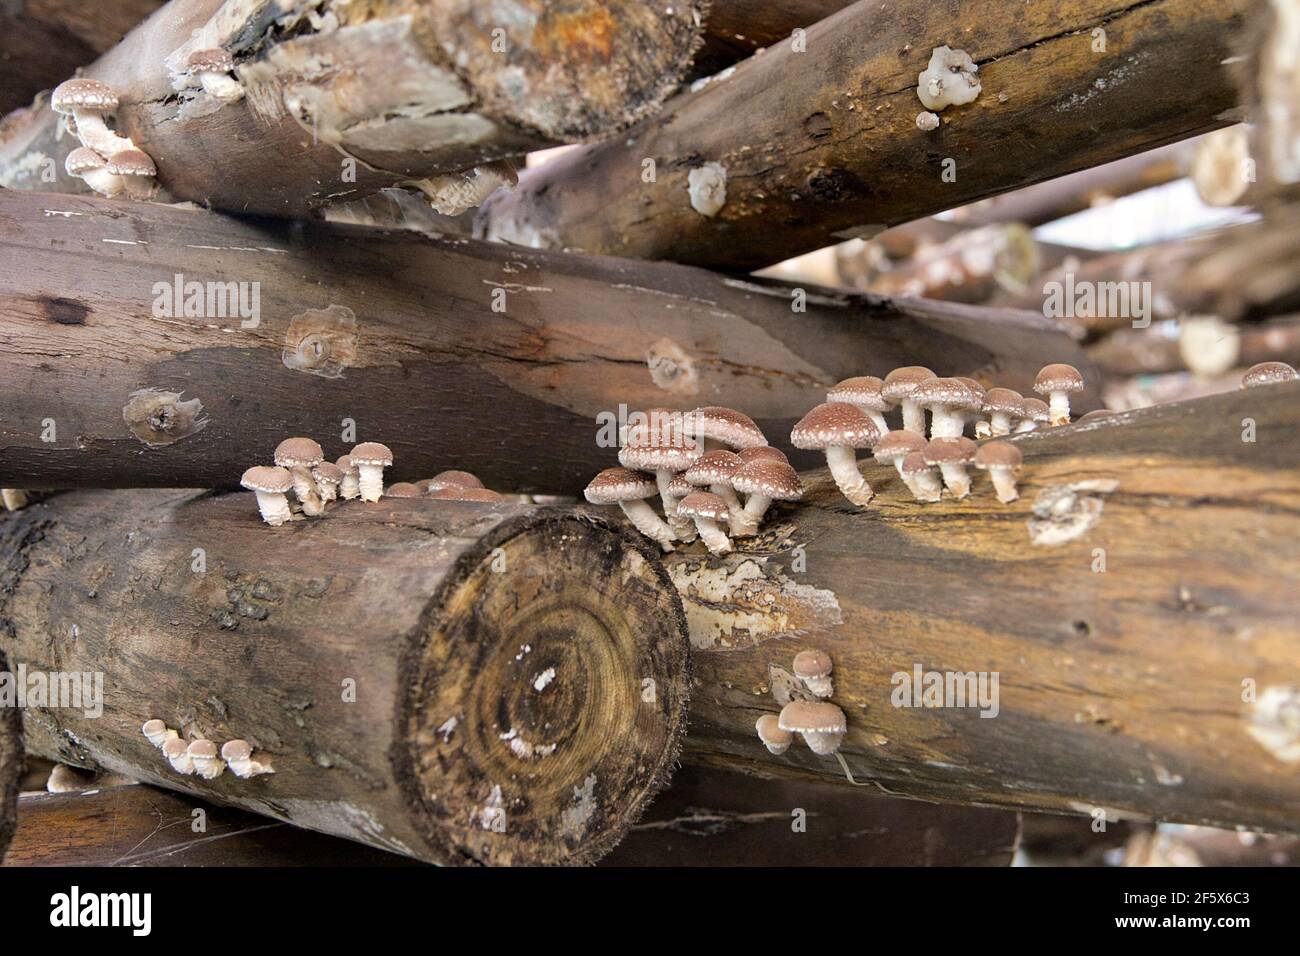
x: 927, y: 121
x: 1275, y: 723
x: 707, y: 186
x: 448, y: 728
x: 949, y: 80
x: 544, y: 678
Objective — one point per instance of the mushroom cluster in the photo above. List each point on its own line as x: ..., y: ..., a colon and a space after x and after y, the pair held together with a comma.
x: 200, y: 757
x: 111, y: 164
x: 302, y: 483
x: 699, y: 463
x: 821, y: 723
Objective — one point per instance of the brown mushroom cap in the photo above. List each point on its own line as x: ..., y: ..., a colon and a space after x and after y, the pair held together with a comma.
x: 714, y: 467
x: 703, y: 504
x: 371, y: 453
x: 998, y: 454
x: 267, y: 478
x: 215, y: 60
x: 897, y: 444
x: 762, y: 451
x: 329, y: 473
x: 812, y: 663
x: 1268, y: 373
x: 346, y: 463
x: 82, y: 160
x: 293, y: 452
x: 666, y: 456
x: 770, y: 732
x: 948, y: 392
x: 444, y: 479
x: 83, y: 93
x: 834, y: 425
x: 203, y: 749
x: 1058, y: 377
x: 1002, y: 400
x: 459, y: 493
x: 132, y: 162
x: 812, y: 717
x: 1035, y: 410
x: 404, y: 489
x: 679, y: 487
x: 862, y: 390
x: 174, y: 747
x: 620, y: 484
x: 950, y: 451
x: 769, y: 478
x: 236, y: 750
x: 655, y: 426
x: 1097, y: 413
x: 915, y: 464
x: 899, y: 383
x: 727, y: 426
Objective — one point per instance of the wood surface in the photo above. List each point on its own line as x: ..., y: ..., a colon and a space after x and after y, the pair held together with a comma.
x: 11, y: 766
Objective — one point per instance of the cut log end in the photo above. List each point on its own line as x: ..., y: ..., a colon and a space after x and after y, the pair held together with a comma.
x: 11, y: 767
x: 542, y: 716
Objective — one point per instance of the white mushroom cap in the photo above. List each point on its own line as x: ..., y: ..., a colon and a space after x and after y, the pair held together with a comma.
x: 83, y: 93
x: 775, y: 739
x: 620, y: 484
x: 267, y: 478
x: 1058, y: 377
x: 726, y: 425
x: 834, y: 425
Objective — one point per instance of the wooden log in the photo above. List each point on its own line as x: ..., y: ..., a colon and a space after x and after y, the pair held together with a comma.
x: 11, y: 765
x: 399, y: 333
x: 969, y: 267
x: 442, y: 680
x: 1147, y: 351
x: 143, y: 826
x: 712, y: 817
x: 1137, y: 601
x: 822, y: 145
x: 342, y: 99
x: 737, y: 29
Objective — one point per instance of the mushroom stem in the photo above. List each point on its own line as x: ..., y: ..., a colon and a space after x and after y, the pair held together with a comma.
x: 1000, y: 424
x: 822, y: 744
x: 714, y: 537
x: 876, y: 417
x: 370, y: 481
x: 945, y: 423
x: 274, y: 507
x: 913, y: 417
x: 681, y: 528
x: 955, y: 477
x: 104, y: 182
x: 843, y: 463
x: 728, y: 494
x: 1026, y: 425
x: 1058, y: 405
x: 304, y: 489
x: 1004, y: 483
x: 94, y: 132
x: 746, y: 523
x: 350, y: 487
x: 645, y: 520
x: 928, y: 486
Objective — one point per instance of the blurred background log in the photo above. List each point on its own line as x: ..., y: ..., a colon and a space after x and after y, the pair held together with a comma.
x: 341, y: 99
x: 1152, y: 351
x: 822, y: 145
x: 458, y: 354
x: 384, y: 660
x: 1137, y: 602
x: 11, y: 762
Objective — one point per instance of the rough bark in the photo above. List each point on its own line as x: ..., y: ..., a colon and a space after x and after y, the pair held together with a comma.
x: 822, y: 144
x: 342, y: 98
x: 1120, y: 689
x: 11, y: 766
x: 737, y: 29
x: 711, y: 817
x: 386, y: 658
x: 398, y: 333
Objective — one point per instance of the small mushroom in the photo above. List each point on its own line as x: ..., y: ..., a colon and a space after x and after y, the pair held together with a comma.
x: 177, y: 752
x: 404, y: 489
x: 924, y: 480
x: 136, y: 170
x: 897, y: 390
x: 707, y: 186
x: 948, y: 80
x: 776, y: 740
x: 837, y: 430
x: 1033, y: 412
x: 445, y: 479
x: 864, y: 392
x: 927, y: 121
x: 895, y: 446
x: 763, y: 451
x: 948, y: 400
x: 821, y: 724
x: 1002, y: 405
x: 706, y: 510
x: 300, y: 456
x: 371, y: 458
x: 1057, y: 381
x: 88, y: 101
x: 238, y: 755
x: 157, y: 732
x: 813, y: 667
x: 628, y: 489
x: 1001, y: 460
x: 328, y: 477
x: 952, y: 455
x: 764, y: 480
x: 86, y: 164
x: 212, y: 68
x: 1268, y: 373
x: 206, y: 760
x: 714, y: 426
x: 664, y: 454
x: 714, y: 471
x: 350, y: 487
x: 271, y: 485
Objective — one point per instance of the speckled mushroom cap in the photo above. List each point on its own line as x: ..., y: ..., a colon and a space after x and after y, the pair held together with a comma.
x: 812, y: 717
x: 769, y: 478
x: 950, y: 451
x: 812, y: 663
x: 834, y: 425
x: 619, y: 484
x: 998, y: 454
x: 703, y: 504
x: 714, y: 467
x: 346, y: 463
x: 204, y: 749
x: 82, y: 160
x: 727, y: 426
x: 293, y: 452
x: 946, y: 392
x: 1268, y: 373
x: 371, y: 453
x: 975, y: 387
x: 215, y: 60
x: 267, y: 478
x: 404, y: 489
x: 329, y: 473
x: 236, y: 750
x: 655, y: 426
x: 897, y: 444
x: 1058, y: 377
x: 83, y: 93
x: 915, y: 464
x: 862, y: 390
x: 460, y: 493
x: 132, y: 162
x: 679, y: 487
x: 675, y: 455
x: 762, y: 451
x: 899, y: 383
x: 444, y: 479
x: 1035, y: 410
x: 1005, y: 401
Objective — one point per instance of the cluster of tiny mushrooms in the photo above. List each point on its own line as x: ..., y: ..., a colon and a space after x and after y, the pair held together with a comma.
x: 301, y: 469
x: 202, y: 757
x: 701, y: 462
